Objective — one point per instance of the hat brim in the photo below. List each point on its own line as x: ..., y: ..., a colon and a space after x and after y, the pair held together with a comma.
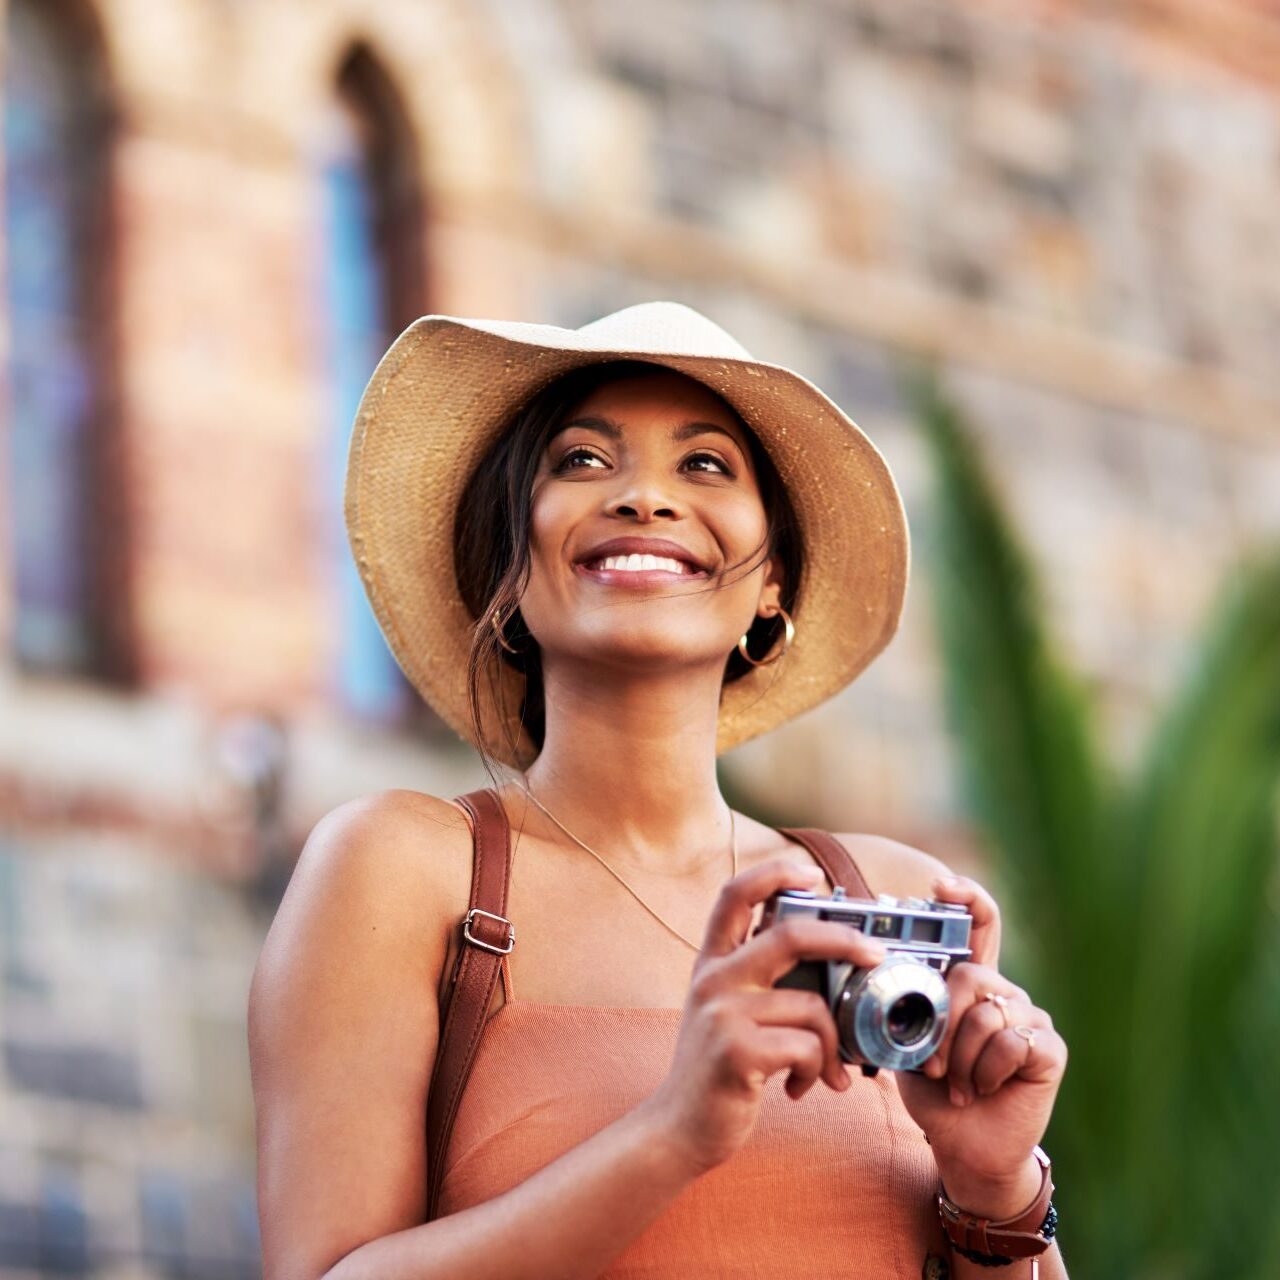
x: 441, y: 397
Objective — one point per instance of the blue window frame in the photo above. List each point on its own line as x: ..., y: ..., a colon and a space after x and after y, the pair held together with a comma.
x: 54, y: 198
x: 359, y: 276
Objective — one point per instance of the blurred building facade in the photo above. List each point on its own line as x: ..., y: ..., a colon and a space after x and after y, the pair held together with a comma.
x: 216, y: 215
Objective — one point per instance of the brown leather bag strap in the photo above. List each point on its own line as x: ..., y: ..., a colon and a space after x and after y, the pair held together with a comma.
x: 487, y: 935
x: 832, y: 857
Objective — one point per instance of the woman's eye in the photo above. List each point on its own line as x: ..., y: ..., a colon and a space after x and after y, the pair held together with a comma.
x: 583, y: 458
x: 707, y: 462
x: 576, y: 459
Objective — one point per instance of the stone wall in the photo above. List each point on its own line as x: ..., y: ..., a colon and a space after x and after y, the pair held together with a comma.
x: 128, y: 1121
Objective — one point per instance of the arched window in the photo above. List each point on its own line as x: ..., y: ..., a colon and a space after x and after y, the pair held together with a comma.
x: 372, y: 281
x: 64, y: 503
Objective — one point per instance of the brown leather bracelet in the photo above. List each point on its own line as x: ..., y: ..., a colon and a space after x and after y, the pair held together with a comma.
x: 1016, y: 1237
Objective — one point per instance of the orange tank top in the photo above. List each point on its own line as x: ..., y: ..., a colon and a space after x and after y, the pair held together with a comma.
x: 830, y: 1185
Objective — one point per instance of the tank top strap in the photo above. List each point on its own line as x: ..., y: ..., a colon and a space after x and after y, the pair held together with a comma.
x: 832, y: 857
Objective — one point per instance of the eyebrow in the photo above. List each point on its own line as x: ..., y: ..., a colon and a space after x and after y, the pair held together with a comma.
x: 686, y: 431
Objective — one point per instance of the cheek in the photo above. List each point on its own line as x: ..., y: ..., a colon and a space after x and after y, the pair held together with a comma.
x: 743, y: 530
x: 541, y: 525
x: 551, y: 518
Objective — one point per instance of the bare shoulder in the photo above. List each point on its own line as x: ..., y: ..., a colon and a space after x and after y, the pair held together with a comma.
x: 889, y: 866
x: 393, y: 821
x: 378, y: 884
x: 395, y: 859
x: 422, y: 831
x: 343, y: 1025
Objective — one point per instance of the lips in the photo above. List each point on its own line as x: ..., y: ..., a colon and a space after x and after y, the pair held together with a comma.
x: 625, y: 556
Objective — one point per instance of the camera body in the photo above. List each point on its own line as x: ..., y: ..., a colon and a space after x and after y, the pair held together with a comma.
x: 895, y: 1014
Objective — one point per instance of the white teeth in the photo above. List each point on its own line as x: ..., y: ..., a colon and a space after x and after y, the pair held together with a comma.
x: 639, y: 563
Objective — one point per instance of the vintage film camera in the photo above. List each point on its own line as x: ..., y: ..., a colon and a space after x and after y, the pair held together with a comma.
x: 894, y: 1015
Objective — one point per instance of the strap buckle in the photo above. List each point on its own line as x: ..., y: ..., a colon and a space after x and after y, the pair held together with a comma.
x: 472, y: 915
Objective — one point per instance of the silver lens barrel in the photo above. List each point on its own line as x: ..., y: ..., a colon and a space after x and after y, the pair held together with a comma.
x: 893, y: 1016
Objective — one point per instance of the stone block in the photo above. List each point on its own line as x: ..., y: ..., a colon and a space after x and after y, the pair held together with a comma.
x: 593, y: 144
x: 1014, y: 131
x: 165, y: 1211
x: 889, y: 124
x: 222, y: 1232
x: 21, y: 1234
x: 87, y: 1073
x: 50, y: 1233
x: 64, y: 1225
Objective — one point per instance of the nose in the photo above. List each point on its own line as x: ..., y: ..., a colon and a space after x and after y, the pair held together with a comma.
x: 643, y: 500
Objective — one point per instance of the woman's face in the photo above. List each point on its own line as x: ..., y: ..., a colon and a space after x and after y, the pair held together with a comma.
x: 648, y: 530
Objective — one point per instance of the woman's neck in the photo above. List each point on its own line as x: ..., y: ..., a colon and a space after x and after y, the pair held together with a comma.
x: 630, y: 766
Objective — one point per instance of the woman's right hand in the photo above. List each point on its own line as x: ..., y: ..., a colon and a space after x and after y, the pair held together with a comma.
x: 737, y: 1029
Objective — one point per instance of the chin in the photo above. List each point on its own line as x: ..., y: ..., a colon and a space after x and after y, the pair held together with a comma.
x: 646, y: 646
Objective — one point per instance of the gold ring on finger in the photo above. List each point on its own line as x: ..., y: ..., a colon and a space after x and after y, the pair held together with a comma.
x: 1001, y: 1003
x: 1027, y: 1034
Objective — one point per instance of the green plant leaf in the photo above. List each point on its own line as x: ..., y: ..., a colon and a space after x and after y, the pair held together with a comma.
x: 1145, y: 915
x: 1201, y: 830
x: 1030, y: 772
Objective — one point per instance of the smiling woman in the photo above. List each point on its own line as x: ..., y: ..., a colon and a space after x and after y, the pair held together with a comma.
x: 606, y: 555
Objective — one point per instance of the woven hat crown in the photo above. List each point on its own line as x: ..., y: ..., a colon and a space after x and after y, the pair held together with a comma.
x: 663, y: 326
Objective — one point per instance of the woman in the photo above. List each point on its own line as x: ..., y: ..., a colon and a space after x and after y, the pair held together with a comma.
x: 606, y: 554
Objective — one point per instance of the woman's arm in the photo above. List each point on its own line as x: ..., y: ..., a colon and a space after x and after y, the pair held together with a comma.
x: 343, y: 1027
x: 343, y: 1031
x: 568, y: 1220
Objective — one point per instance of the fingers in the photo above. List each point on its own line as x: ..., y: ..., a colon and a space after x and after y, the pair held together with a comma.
x: 984, y: 940
x: 968, y: 984
x: 1037, y: 1055
x: 753, y: 1036
x: 778, y: 949
x: 806, y: 1010
x: 983, y: 1036
x: 780, y: 1048
x: 988, y: 1044
x: 731, y: 916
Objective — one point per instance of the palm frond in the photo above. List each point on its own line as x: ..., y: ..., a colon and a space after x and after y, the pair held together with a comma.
x: 1149, y: 913
x: 1031, y: 775
x: 1201, y: 831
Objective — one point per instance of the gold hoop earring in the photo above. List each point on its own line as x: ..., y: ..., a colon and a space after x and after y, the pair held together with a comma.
x: 497, y: 630
x: 788, y: 637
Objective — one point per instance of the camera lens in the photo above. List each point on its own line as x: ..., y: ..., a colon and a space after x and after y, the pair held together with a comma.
x: 909, y: 1018
x: 893, y: 1015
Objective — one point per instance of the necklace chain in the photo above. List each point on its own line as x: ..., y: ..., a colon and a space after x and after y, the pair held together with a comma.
x: 582, y: 844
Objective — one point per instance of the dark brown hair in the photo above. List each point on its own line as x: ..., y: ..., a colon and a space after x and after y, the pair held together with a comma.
x: 491, y: 540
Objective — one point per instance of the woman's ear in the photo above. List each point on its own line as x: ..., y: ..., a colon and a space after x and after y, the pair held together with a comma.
x: 770, y: 601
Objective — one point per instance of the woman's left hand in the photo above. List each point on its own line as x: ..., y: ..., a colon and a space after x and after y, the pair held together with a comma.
x: 985, y: 1097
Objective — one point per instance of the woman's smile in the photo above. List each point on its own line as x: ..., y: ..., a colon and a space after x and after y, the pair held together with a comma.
x: 637, y: 562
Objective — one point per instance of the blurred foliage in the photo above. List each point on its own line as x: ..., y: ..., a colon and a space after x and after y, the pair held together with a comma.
x: 1142, y: 909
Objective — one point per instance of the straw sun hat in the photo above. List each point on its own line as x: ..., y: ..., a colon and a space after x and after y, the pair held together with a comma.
x: 444, y: 392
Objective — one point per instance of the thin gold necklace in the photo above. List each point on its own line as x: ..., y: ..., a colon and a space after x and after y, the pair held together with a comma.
x: 582, y: 844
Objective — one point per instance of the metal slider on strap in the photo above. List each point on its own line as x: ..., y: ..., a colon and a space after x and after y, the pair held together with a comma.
x: 472, y: 915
